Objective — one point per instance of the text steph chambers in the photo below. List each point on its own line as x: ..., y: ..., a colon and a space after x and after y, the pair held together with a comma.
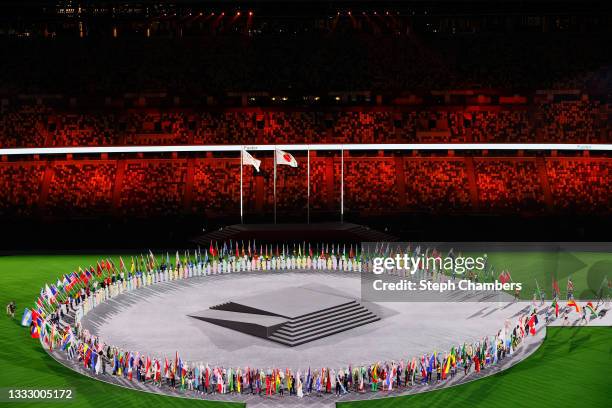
x: 463, y: 284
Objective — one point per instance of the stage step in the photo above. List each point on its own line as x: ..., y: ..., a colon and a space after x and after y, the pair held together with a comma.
x: 327, y: 312
x: 338, y: 328
x: 324, y: 323
x: 308, y: 331
x: 292, y: 326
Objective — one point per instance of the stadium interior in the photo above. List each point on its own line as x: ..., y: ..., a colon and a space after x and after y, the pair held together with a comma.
x: 152, y: 73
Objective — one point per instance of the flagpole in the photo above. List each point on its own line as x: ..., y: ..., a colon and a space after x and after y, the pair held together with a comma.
x: 241, y: 165
x: 308, y: 188
x: 342, y: 185
x: 275, y: 184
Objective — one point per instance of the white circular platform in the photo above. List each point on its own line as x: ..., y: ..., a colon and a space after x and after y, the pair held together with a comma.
x: 155, y: 320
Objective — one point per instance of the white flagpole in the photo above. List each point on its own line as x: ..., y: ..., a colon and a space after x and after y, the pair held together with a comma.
x: 275, y: 184
x: 308, y: 189
x: 342, y: 186
x: 241, y: 166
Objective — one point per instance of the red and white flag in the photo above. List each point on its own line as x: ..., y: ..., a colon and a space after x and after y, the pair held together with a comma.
x: 285, y: 158
x: 247, y: 159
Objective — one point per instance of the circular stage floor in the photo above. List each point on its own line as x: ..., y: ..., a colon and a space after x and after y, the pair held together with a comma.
x: 156, y: 320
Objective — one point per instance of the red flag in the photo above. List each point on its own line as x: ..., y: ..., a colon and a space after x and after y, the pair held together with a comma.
x: 157, y: 371
x: 148, y: 368
x: 504, y: 277
x: 35, y: 316
x: 555, y: 286
x: 531, y: 324
x: 34, y: 332
x: 108, y: 265
x: 98, y: 269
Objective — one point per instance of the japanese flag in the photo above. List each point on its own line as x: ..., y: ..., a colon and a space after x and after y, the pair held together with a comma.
x: 247, y: 159
x: 285, y: 158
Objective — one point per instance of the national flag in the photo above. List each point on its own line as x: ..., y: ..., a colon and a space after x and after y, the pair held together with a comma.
x: 505, y: 277
x: 36, y: 317
x: 213, y: 251
x: 248, y: 160
x: 555, y: 286
x: 67, y: 339
x: 26, y: 319
x: 157, y: 371
x: 34, y: 331
x: 84, y: 277
x: 555, y: 304
x: 532, y: 323
x: 432, y: 361
x: 590, y: 308
x: 285, y: 158
x: 572, y: 303
x: 121, y: 264
x: 148, y: 368
x: 49, y: 294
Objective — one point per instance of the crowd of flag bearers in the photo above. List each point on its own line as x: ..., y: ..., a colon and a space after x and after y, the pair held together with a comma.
x: 74, y: 295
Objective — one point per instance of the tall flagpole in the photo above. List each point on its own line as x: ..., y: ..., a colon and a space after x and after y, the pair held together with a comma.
x: 241, y: 166
x: 342, y: 186
x: 275, y: 184
x: 308, y: 188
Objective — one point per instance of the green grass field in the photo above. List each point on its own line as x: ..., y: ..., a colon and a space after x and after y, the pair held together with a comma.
x: 574, y: 366
x: 24, y: 363
x: 587, y: 270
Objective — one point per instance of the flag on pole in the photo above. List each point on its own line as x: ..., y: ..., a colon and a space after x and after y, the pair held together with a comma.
x: 556, y: 306
x: 26, y: 319
x: 555, y: 285
x: 590, y: 308
x: 247, y: 159
x: 572, y: 303
x: 285, y: 158
x: 505, y: 277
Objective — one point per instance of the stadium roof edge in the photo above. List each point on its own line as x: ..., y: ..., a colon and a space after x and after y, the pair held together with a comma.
x: 303, y: 147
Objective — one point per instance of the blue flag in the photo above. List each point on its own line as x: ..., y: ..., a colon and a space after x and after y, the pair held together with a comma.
x: 26, y: 319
